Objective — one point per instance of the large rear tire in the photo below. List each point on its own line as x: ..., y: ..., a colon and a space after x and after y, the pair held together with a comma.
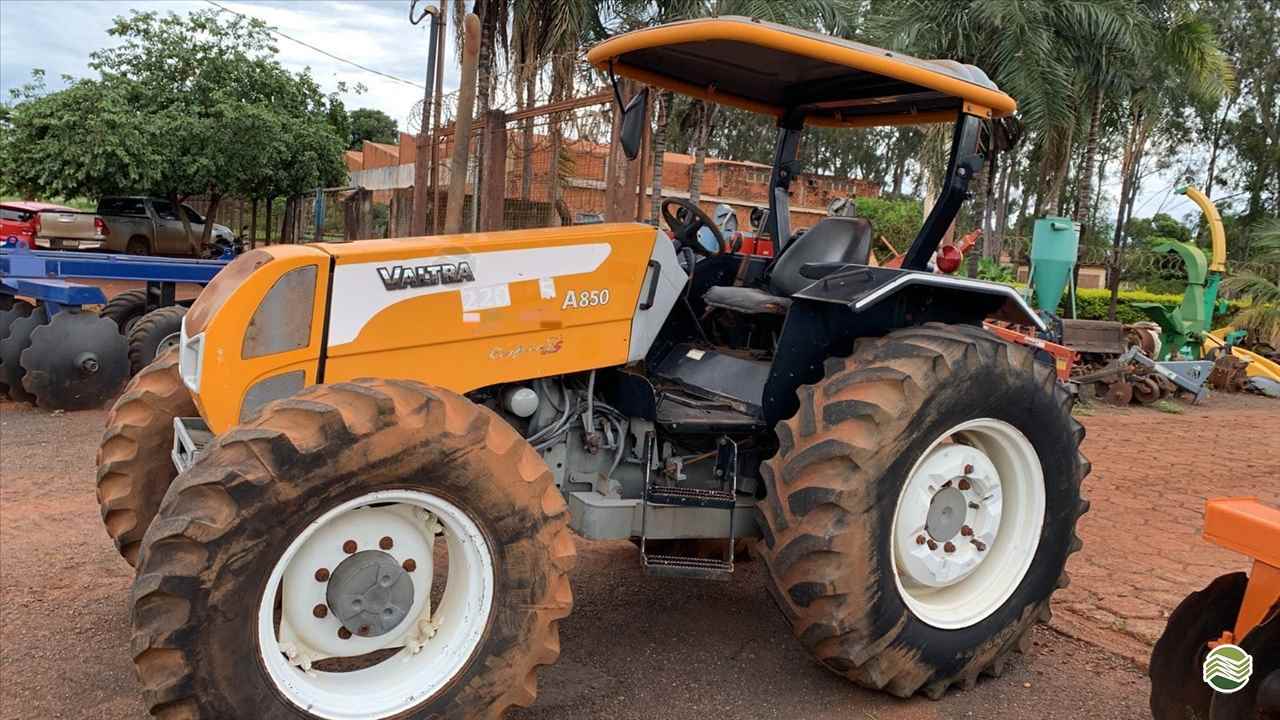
x: 921, y: 508
x: 134, y: 465
x: 232, y: 530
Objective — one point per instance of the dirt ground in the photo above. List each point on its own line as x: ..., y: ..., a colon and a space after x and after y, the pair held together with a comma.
x: 639, y: 647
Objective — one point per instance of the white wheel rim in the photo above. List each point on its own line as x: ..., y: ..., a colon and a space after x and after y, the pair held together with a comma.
x: 434, y: 644
x: 169, y: 342
x: 962, y: 569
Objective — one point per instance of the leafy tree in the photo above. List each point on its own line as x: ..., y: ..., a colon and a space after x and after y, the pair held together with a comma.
x: 1181, y: 59
x: 1047, y: 54
x: 896, y: 219
x: 184, y: 106
x: 1158, y: 228
x: 372, y: 125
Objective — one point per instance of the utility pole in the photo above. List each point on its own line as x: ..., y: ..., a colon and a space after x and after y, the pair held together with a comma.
x: 425, y: 155
x: 436, y: 109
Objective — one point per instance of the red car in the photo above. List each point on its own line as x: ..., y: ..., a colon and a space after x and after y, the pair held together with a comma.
x: 20, y: 221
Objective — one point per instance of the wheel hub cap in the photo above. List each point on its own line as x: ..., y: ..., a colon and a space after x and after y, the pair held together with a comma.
x: 947, y: 513
x: 370, y: 593
x: 87, y: 362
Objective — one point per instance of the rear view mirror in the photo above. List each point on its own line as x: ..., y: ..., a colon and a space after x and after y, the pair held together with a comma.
x: 633, y: 121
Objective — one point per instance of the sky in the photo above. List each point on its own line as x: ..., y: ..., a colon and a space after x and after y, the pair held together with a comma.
x: 59, y: 35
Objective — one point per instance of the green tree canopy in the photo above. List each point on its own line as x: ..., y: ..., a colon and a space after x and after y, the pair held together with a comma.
x: 185, y: 105
x: 373, y: 125
x: 1158, y: 228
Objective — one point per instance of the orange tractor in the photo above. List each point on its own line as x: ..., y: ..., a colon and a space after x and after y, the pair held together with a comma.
x: 1237, y: 610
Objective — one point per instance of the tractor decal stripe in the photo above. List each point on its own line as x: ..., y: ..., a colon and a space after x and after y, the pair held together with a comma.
x: 359, y: 292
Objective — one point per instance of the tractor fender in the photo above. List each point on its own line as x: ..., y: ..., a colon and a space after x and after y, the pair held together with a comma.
x: 863, y: 289
x: 829, y: 315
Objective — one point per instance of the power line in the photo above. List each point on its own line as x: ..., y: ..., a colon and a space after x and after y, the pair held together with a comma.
x: 326, y: 53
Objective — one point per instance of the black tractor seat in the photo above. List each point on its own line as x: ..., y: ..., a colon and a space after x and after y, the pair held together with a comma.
x: 834, y: 240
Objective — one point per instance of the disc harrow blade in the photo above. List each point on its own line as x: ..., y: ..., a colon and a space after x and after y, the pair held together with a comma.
x: 1260, y: 698
x: 1178, y: 691
x: 14, y: 343
x: 78, y: 361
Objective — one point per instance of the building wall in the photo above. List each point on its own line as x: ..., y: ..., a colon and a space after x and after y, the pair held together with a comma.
x: 741, y: 185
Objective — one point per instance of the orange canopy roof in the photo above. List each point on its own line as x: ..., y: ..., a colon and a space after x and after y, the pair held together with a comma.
x: 768, y: 68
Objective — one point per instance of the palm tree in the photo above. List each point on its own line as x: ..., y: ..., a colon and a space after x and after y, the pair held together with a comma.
x: 1182, y: 58
x: 1042, y: 52
x: 1262, y: 317
x: 551, y: 32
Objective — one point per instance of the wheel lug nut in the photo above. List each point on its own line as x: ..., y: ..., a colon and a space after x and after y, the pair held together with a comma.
x: 322, y: 575
x: 349, y: 547
x: 386, y: 543
x: 344, y: 633
x: 979, y: 544
x: 364, y: 630
x: 320, y: 610
x: 920, y: 539
x: 409, y: 565
x: 966, y: 531
x: 968, y: 469
x: 964, y: 484
x: 949, y: 548
x: 933, y: 545
x: 973, y: 506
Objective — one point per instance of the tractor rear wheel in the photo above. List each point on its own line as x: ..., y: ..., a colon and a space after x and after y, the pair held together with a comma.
x: 294, y: 571
x: 921, y: 508
x: 134, y: 463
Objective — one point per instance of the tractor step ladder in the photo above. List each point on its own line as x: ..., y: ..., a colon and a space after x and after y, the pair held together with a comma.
x: 726, y: 500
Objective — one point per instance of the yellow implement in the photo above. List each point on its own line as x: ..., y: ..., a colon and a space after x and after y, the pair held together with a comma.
x: 1258, y: 365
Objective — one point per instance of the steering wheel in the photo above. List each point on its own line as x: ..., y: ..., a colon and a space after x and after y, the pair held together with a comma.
x: 686, y: 223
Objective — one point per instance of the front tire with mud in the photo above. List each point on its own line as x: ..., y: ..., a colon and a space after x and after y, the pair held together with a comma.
x: 135, y: 468
x: 212, y: 556
x: 948, y: 418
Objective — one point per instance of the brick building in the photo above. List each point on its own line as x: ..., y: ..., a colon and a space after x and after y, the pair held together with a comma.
x: 742, y: 185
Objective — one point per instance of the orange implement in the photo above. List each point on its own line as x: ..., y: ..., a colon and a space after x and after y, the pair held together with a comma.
x: 1064, y: 358
x: 1252, y: 528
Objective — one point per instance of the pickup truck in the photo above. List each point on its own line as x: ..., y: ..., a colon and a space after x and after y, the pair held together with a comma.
x: 134, y: 225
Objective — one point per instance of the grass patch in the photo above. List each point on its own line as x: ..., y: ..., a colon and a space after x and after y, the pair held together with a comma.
x: 1167, y: 406
x: 1082, y: 409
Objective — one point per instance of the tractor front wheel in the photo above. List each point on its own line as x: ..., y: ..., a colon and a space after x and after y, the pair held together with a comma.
x: 371, y: 549
x: 135, y: 467
x: 921, y: 507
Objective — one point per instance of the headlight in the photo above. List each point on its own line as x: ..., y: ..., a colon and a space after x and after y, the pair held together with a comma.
x: 273, y: 388
x: 190, y: 358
